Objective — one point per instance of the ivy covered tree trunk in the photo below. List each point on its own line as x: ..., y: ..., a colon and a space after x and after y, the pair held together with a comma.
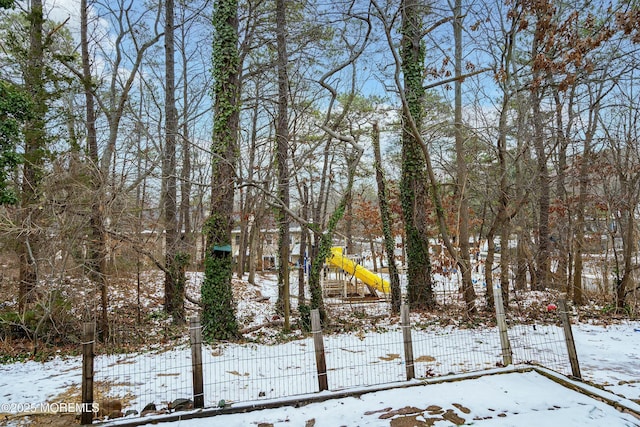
x: 218, y: 308
x: 15, y: 110
x: 413, y: 187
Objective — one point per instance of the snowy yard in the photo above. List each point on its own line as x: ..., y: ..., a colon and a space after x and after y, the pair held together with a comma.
x: 244, y: 374
x: 512, y: 399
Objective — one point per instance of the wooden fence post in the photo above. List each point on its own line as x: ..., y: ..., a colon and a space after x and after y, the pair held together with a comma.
x: 405, y: 323
x: 195, y: 335
x: 507, y: 355
x: 88, y: 340
x: 568, y: 337
x: 318, y: 344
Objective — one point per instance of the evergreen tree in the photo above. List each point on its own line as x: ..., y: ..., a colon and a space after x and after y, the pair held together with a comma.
x: 14, y: 111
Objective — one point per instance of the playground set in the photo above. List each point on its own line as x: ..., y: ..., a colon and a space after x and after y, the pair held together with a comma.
x: 347, y: 278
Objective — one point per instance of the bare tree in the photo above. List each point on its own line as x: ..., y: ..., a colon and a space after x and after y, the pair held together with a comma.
x: 462, y: 190
x: 506, y: 77
x: 389, y: 240
x: 112, y: 103
x: 559, y: 52
x: 584, y: 165
x: 97, y: 256
x: 35, y: 146
x: 619, y: 165
x: 282, y: 142
x: 175, y: 260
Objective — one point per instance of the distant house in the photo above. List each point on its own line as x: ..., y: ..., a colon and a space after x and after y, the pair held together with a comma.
x: 267, y: 247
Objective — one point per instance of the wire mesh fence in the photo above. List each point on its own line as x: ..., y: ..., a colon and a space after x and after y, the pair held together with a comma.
x: 452, y: 351
x: 240, y: 373
x: 139, y: 363
x: 372, y: 353
x: 140, y: 379
x: 539, y: 344
x: 364, y: 358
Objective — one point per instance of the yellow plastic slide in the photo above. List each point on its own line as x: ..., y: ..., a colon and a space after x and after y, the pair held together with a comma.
x: 361, y: 273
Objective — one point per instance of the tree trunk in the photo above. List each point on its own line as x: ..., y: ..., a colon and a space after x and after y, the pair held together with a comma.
x: 488, y: 269
x: 218, y: 308
x: 253, y: 250
x: 563, y: 214
x: 303, y: 247
x: 523, y: 237
x: 521, y: 262
x: 97, y: 246
x: 576, y: 289
x: 242, y: 242
x: 502, y: 217
x: 372, y: 248
x: 348, y: 220
x: 318, y: 211
x: 175, y: 260
x: 628, y: 249
x: 185, y: 224
x: 543, y: 252
x: 468, y: 291
x: 387, y: 230
x: 282, y: 141
x: 413, y: 187
x: 250, y: 208
x: 113, y: 107
x: 325, y: 241
x: 505, y: 261
x: 34, y: 152
x: 584, y: 171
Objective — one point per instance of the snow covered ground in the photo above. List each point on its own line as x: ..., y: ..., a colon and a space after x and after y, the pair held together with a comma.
x: 513, y: 399
x: 609, y: 356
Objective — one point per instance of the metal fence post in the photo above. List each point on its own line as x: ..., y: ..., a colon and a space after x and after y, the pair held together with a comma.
x: 318, y: 344
x: 88, y: 340
x: 507, y: 354
x: 568, y: 337
x: 195, y: 336
x: 405, y: 323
